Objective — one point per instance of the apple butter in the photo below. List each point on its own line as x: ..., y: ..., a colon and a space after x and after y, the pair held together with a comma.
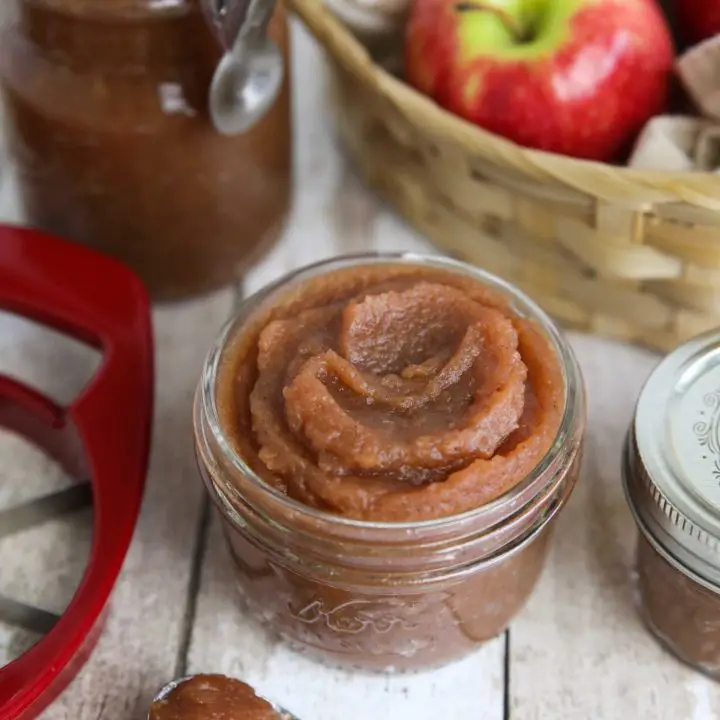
x: 671, y: 469
x: 681, y: 612
x: 211, y: 697
x: 107, y: 117
x: 401, y: 431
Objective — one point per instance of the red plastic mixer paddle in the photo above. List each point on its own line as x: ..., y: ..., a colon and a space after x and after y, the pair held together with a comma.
x: 104, y: 434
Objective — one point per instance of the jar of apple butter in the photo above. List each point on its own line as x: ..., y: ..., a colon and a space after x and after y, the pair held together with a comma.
x: 671, y: 474
x: 389, y: 440
x: 106, y: 103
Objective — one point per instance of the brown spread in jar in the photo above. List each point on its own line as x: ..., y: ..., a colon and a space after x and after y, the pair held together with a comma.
x: 107, y: 110
x: 212, y: 697
x: 388, y: 441
x: 392, y: 394
x: 680, y: 611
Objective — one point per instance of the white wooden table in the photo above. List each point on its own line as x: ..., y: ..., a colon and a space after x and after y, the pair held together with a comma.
x: 577, y: 652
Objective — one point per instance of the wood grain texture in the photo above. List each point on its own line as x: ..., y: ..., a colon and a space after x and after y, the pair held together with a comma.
x: 579, y: 650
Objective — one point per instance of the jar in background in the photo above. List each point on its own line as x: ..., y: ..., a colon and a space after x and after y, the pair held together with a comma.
x: 391, y: 594
x: 671, y: 474
x: 106, y: 103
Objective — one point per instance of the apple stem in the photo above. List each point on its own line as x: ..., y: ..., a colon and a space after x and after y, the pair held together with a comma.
x: 478, y: 6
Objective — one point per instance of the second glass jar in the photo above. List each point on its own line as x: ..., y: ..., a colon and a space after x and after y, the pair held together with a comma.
x: 107, y: 111
x: 671, y: 476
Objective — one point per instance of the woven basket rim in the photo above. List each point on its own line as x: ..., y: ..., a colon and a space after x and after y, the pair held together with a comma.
x: 617, y: 184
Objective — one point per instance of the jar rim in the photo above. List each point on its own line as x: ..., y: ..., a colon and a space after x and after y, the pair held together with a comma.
x: 520, y: 303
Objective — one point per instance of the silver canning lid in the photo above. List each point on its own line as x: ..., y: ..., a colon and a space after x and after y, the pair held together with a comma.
x: 672, y: 457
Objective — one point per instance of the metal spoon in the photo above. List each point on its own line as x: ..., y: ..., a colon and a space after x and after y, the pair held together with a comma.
x: 250, y: 74
x: 167, y: 689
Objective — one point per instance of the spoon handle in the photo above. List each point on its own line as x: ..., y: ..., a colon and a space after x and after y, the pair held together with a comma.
x: 237, y: 22
x: 256, y: 22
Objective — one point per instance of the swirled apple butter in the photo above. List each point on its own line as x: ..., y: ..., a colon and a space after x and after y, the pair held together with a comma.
x: 393, y: 395
x: 212, y: 697
x: 406, y: 431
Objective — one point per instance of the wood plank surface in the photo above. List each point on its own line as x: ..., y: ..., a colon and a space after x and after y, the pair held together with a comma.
x: 577, y: 652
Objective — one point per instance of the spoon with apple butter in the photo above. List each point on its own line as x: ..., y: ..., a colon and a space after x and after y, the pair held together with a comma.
x: 213, y: 697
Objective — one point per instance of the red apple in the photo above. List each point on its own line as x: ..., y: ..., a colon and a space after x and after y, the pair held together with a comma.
x: 697, y: 20
x: 577, y: 77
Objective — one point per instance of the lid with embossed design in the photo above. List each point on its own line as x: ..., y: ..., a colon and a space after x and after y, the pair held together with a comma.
x: 671, y: 468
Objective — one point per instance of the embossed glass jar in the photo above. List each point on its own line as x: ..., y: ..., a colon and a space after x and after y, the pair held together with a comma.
x: 671, y: 473
x: 385, y: 596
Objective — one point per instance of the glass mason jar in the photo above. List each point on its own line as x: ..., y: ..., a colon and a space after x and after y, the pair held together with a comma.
x: 106, y: 104
x: 390, y: 595
x: 671, y: 474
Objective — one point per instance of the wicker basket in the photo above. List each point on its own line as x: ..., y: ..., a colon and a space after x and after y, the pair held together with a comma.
x: 623, y: 253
